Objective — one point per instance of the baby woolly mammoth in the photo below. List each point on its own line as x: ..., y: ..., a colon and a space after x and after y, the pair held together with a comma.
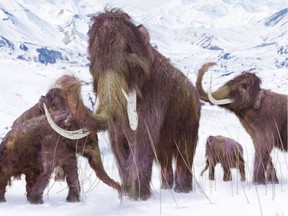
x: 33, y: 148
x: 228, y: 153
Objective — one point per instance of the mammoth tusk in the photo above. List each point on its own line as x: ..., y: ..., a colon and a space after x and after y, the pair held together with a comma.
x: 131, y: 98
x: 77, y: 134
x: 215, y: 101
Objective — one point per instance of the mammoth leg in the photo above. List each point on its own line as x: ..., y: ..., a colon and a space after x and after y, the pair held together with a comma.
x: 258, y: 172
x: 212, y: 170
x: 72, y: 179
x: 140, y: 160
x: 205, y: 168
x: 36, y: 194
x: 183, y: 173
x: 140, y: 171
x: 30, y: 178
x: 271, y: 173
x: 165, y: 161
x: 3, y: 183
x: 261, y: 160
x: 242, y: 168
x: 227, y: 174
x: 121, y: 150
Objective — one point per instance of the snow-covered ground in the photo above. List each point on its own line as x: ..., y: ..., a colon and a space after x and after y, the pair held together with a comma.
x: 207, y: 198
x: 250, y: 36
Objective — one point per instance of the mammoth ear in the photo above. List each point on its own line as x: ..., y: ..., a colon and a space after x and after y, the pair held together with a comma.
x: 41, y: 102
x: 144, y: 33
x: 243, y: 87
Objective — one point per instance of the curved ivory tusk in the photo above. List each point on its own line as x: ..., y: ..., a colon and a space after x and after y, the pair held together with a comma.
x: 215, y: 101
x: 131, y: 98
x: 77, y: 134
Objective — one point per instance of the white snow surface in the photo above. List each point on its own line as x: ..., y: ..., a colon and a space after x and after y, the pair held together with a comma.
x: 182, y: 30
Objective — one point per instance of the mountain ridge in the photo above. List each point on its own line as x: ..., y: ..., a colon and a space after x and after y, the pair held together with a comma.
x: 221, y: 28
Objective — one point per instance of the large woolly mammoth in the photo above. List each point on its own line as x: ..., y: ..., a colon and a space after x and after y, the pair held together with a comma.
x: 34, y: 149
x: 228, y: 153
x: 263, y: 114
x: 150, y: 109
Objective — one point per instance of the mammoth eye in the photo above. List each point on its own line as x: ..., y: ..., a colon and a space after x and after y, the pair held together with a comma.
x: 244, y: 86
x: 128, y: 49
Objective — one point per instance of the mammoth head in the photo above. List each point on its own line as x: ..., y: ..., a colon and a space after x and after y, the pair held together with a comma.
x: 237, y: 94
x: 54, y: 99
x: 117, y: 45
x: 121, y: 59
x: 84, y: 116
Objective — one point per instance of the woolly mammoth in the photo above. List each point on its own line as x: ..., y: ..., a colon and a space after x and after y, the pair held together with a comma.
x: 228, y: 153
x: 150, y: 109
x: 54, y: 100
x: 33, y: 148
x: 263, y: 114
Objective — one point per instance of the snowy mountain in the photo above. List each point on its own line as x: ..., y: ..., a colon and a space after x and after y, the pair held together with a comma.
x: 56, y: 31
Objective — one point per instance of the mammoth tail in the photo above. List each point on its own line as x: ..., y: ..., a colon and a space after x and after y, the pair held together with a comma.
x: 205, y: 168
x: 83, y: 115
x: 202, y: 94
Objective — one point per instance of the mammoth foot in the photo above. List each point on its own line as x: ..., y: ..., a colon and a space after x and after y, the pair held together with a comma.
x: 211, y: 178
x: 272, y: 178
x: 166, y: 185
x: 259, y: 181
x: 125, y: 189
x: 167, y: 178
x: 73, y: 195
x: 227, y: 178
x: 35, y: 199
x: 73, y: 199
x: 182, y: 188
x: 2, y: 199
x: 273, y: 182
x: 139, y: 195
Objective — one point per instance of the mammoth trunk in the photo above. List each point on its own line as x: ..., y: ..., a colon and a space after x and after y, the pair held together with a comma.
x: 95, y: 163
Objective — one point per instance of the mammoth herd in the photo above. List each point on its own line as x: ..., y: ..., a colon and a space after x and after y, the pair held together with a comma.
x: 151, y: 112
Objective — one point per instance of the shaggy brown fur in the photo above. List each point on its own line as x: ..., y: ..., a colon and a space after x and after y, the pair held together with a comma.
x: 167, y: 105
x: 263, y: 114
x: 54, y: 100
x: 33, y: 148
x: 228, y: 153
